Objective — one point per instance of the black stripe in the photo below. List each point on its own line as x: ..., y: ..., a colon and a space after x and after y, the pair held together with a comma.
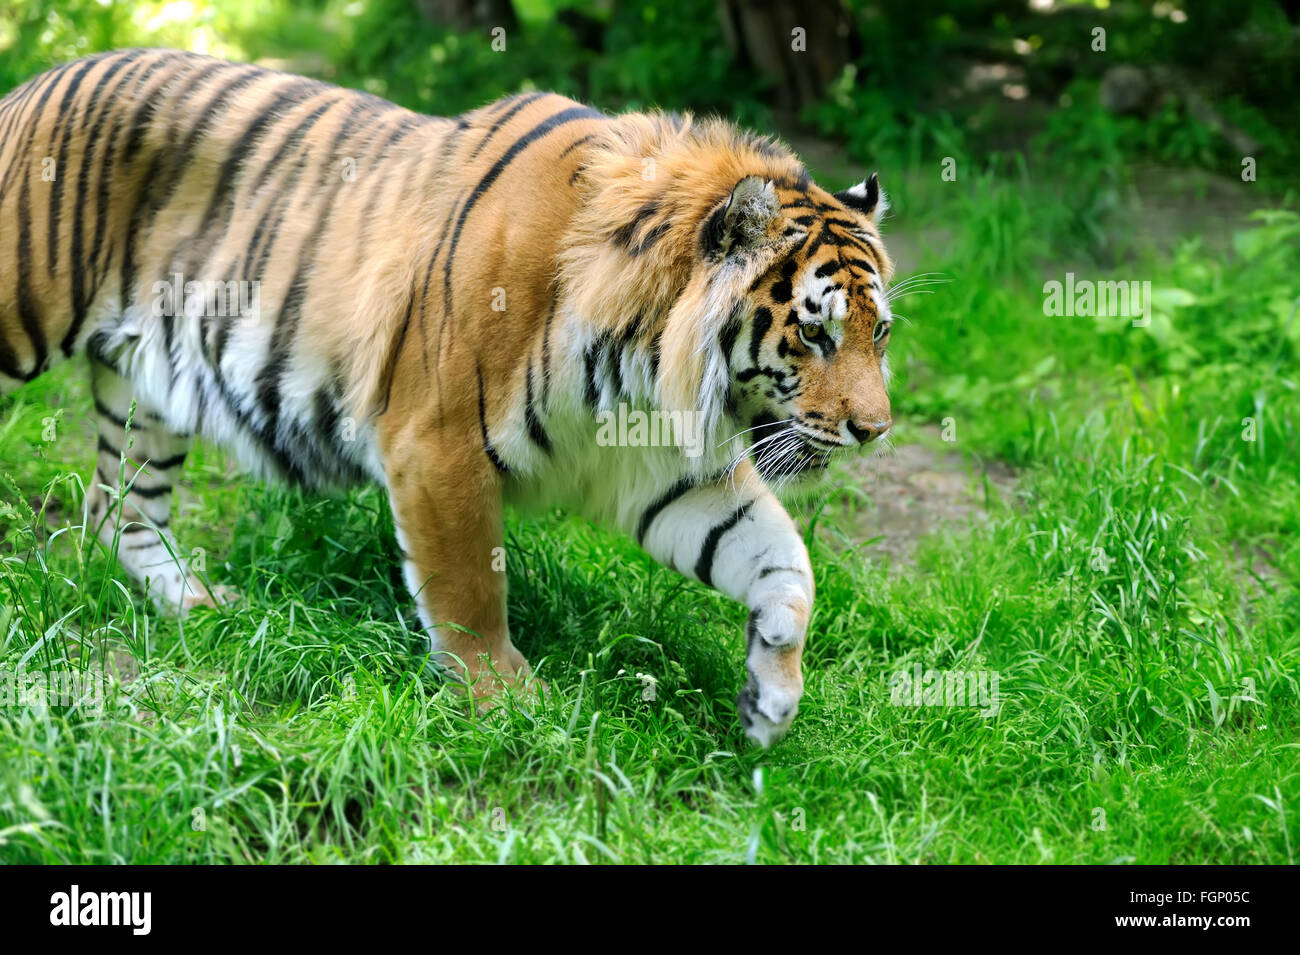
x: 148, y: 493
x: 575, y: 144
x: 762, y: 322
x: 651, y: 512
x: 631, y: 333
x: 541, y: 129
x: 267, y: 384
x: 290, y: 142
x: 751, y: 629
x: 243, y: 76
x: 142, y: 117
x: 268, y: 381
x: 590, y: 356
x: 28, y: 312
x: 650, y: 238
x: 730, y: 332
x: 286, y: 326
x: 327, y: 418
x: 821, y: 238
x: 169, y: 180
x: 327, y: 429
x: 111, y: 415
x: 78, y: 266
x: 622, y: 236
x: 13, y: 105
x: 66, y: 119
x: 106, y: 167
x: 546, y: 353
x: 854, y: 262
x: 22, y: 155
x: 536, y: 432
x: 166, y: 464
x: 152, y: 186
x: 135, y: 527
x: 656, y: 353
x: 146, y: 545
x: 284, y: 96
x: 260, y: 244
x: 488, y: 449
x: 237, y: 157
x: 394, y: 352
x: 614, y: 359
x: 714, y: 231
x: 9, y: 360
x: 108, y: 448
x: 289, y: 467
x: 445, y: 151
x: 704, y: 566
x: 489, y: 109
x: 520, y: 103
x: 749, y: 374
x: 126, y: 290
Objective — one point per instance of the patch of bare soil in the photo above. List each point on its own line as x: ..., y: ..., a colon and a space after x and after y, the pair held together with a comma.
x: 923, y: 487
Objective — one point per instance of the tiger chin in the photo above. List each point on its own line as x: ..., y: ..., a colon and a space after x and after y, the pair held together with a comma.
x: 339, y: 291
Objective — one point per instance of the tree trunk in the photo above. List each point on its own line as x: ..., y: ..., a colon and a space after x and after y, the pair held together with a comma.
x: 801, y: 45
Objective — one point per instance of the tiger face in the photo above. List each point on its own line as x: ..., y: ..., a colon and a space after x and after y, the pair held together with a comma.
x: 808, y: 359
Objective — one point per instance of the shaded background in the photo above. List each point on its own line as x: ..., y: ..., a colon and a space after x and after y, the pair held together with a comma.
x: 1197, y: 83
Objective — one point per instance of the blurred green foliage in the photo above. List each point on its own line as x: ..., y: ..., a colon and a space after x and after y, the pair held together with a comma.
x: 988, y: 74
x: 651, y: 53
x: 975, y: 76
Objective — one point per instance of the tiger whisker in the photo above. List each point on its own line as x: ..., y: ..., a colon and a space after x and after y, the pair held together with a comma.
x: 892, y: 297
x: 915, y: 283
x: 791, y: 451
x: 754, y: 428
x: 731, y: 466
x: 775, y: 452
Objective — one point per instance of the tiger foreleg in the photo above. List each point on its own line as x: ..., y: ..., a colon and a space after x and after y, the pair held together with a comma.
x: 735, y: 536
x: 446, y: 500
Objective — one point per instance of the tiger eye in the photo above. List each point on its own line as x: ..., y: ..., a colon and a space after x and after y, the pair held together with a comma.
x: 811, y: 331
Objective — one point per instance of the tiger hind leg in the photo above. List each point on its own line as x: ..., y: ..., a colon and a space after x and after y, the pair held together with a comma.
x: 129, y: 503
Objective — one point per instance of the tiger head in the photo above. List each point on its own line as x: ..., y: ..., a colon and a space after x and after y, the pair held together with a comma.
x: 760, y: 296
x: 806, y: 346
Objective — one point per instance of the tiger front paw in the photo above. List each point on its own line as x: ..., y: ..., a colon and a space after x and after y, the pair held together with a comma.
x: 490, y: 680
x: 770, y: 700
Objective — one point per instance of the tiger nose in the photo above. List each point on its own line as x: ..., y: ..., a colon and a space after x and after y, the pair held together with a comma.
x: 868, y: 431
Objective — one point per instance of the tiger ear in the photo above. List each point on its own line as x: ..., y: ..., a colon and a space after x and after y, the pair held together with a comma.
x: 866, y: 197
x: 741, y: 221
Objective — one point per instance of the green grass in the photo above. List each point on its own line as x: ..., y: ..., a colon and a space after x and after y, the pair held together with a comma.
x: 1138, y: 595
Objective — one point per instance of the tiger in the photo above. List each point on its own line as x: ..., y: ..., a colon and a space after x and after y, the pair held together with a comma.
x: 465, y: 311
